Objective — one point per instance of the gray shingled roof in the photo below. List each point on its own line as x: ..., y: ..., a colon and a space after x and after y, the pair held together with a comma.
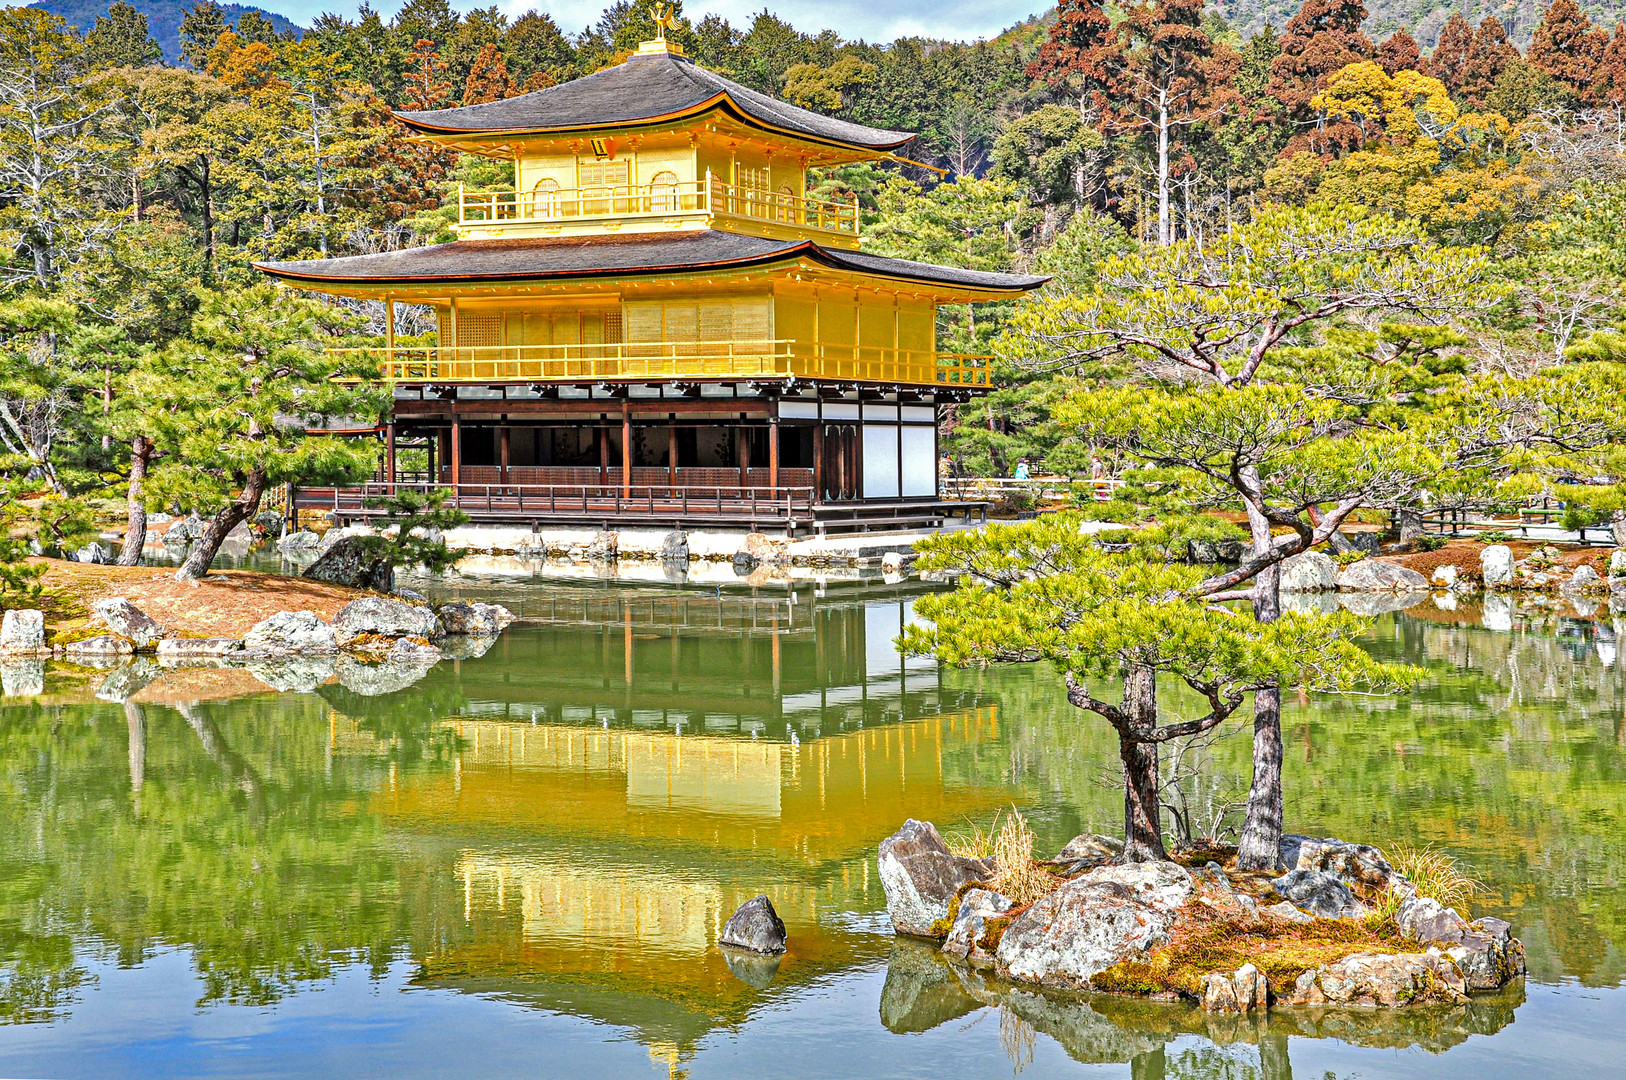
x: 643, y: 88
x: 647, y: 253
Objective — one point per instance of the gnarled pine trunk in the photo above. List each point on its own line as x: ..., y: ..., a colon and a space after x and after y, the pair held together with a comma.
x: 1260, y: 845
x: 135, y: 535
x: 225, y: 520
x: 1143, y: 823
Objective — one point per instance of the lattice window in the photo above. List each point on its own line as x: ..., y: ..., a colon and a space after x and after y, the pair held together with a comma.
x: 612, y: 327
x: 752, y: 320
x: 476, y: 331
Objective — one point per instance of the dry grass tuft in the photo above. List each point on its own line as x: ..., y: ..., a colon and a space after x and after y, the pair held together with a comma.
x: 974, y: 842
x: 1203, y: 942
x: 1016, y: 875
x: 1436, y: 875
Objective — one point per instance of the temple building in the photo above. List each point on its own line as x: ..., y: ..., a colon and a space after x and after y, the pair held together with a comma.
x: 658, y: 324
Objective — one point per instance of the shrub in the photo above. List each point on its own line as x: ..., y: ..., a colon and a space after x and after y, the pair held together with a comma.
x: 1429, y: 542
x: 1436, y: 875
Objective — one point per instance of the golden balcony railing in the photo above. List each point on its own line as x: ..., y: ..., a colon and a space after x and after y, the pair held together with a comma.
x: 711, y: 196
x: 656, y: 360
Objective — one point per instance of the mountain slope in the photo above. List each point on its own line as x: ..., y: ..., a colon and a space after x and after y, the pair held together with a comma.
x: 163, y: 18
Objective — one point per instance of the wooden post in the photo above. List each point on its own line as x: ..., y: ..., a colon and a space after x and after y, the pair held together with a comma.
x: 389, y: 335
x: 389, y: 456
x: 503, y: 464
x: 443, y: 460
x: 603, y: 453
x: 626, y: 449
x: 457, y: 454
x: 818, y: 461
x: 742, y: 450
x: 671, y: 454
x: 773, y: 451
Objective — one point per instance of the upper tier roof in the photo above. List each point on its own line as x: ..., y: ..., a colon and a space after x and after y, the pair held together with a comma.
x: 644, y: 90
x: 647, y: 253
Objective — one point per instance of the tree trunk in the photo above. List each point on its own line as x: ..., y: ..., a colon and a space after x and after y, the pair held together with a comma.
x: 1617, y: 527
x: 225, y: 520
x: 135, y: 536
x: 1260, y: 846
x: 1164, y: 225
x: 1143, y: 824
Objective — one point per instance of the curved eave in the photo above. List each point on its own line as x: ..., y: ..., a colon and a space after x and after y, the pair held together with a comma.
x: 720, y: 100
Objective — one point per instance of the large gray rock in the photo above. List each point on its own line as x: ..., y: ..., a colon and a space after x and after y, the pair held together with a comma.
x: 1374, y: 979
x: 269, y: 520
x: 964, y: 941
x: 1444, y: 576
x: 675, y: 546
x: 102, y: 651
x: 385, y: 617
x: 129, y: 621
x: 405, y: 651
x: 1584, y: 580
x: 1244, y: 991
x: 476, y: 619
x: 1352, y: 862
x: 604, y: 547
x: 353, y: 562
x: 290, y: 633
x: 1310, y: 571
x: 22, y: 632
x: 91, y: 553
x: 1093, y: 922
x: 763, y: 550
x: 1320, y: 893
x: 920, y: 876
x: 1617, y: 564
x: 755, y: 926
x: 1484, y: 951
x: 1496, y: 566
x: 1086, y: 851
x: 1374, y: 575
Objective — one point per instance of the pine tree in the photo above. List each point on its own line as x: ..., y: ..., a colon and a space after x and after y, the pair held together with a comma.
x: 1399, y: 52
x: 1491, y: 53
x: 1567, y: 47
x: 488, y: 77
x: 1322, y: 38
x: 120, y: 39
x: 201, y: 28
x: 1080, y: 52
x: 534, y: 46
x: 425, y: 85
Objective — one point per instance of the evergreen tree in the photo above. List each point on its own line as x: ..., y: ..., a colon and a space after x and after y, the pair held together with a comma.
x: 534, y: 46
x: 425, y: 84
x: 120, y: 39
x: 488, y: 77
x: 201, y: 28
x: 1452, y: 53
x: 1081, y: 52
x: 1491, y: 53
x: 1567, y: 48
x: 1323, y: 37
x: 1610, y: 88
x: 431, y: 19
x: 1399, y: 53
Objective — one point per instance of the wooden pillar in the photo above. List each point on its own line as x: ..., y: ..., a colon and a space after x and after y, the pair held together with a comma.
x: 671, y: 454
x: 443, y: 460
x: 818, y: 461
x: 503, y: 459
x: 742, y: 450
x: 389, y: 455
x: 626, y: 449
x: 457, y: 453
x: 773, y: 451
x: 389, y: 329
x: 603, y: 453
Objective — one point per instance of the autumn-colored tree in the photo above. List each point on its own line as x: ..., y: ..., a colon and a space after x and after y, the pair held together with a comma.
x: 488, y: 77
x: 1490, y: 56
x: 1568, y: 47
x: 424, y: 84
x: 1449, y: 60
x: 1399, y: 53
x: 248, y: 69
x: 1324, y: 37
x: 1080, y: 51
x: 1609, y: 88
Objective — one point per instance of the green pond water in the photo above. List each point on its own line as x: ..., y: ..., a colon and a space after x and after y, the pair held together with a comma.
x: 517, y: 864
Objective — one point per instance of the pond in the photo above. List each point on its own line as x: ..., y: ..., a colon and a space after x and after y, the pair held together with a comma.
x: 518, y: 864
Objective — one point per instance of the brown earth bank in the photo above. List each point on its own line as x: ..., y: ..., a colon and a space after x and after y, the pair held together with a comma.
x: 226, y: 603
x: 1464, y: 555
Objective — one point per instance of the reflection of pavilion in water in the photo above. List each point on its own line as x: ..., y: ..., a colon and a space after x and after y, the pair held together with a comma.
x: 724, y: 664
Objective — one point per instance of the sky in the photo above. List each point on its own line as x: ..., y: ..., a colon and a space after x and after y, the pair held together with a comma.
x: 871, y: 20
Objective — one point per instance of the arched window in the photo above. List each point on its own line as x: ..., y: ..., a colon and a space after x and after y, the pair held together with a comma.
x: 663, y: 192
x: 787, y: 204
x: 545, y: 198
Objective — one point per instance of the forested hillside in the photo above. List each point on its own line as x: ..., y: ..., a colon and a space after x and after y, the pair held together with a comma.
x: 163, y: 18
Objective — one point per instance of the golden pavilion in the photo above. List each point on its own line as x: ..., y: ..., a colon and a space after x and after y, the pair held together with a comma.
x: 658, y: 324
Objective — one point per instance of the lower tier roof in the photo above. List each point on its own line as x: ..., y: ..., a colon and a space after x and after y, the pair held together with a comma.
x: 620, y: 256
